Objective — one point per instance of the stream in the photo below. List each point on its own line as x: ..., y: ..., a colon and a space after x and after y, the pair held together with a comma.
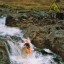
x: 16, y: 40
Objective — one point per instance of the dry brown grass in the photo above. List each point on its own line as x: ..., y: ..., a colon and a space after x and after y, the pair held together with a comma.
x: 28, y: 4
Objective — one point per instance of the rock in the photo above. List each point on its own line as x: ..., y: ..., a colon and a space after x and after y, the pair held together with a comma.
x: 23, y: 16
x: 4, y: 59
x: 49, y: 37
x: 38, y: 40
x: 55, y: 40
x: 57, y: 46
x: 10, y: 21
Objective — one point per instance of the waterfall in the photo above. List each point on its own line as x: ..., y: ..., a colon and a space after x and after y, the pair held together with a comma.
x: 33, y: 58
x: 13, y: 52
x: 14, y: 47
x: 2, y: 21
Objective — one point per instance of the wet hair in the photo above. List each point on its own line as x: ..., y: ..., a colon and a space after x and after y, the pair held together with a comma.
x: 27, y: 45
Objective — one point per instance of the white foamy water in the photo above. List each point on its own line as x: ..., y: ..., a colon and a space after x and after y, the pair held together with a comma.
x: 15, y: 53
x: 2, y: 21
x: 33, y: 58
x: 4, y: 30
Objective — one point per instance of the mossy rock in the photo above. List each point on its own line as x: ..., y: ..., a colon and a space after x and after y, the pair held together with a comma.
x: 4, y: 59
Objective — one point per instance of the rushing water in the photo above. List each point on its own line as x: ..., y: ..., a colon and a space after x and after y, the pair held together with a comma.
x: 14, y: 48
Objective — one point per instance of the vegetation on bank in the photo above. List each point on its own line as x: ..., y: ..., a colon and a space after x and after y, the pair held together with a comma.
x: 23, y: 8
x: 30, y: 4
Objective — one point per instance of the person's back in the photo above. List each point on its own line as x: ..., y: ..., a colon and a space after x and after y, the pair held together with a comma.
x: 26, y: 50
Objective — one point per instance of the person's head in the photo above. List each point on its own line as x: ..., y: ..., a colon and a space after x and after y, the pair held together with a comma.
x: 27, y: 45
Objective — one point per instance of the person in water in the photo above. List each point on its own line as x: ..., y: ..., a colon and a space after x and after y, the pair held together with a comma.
x: 26, y: 49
